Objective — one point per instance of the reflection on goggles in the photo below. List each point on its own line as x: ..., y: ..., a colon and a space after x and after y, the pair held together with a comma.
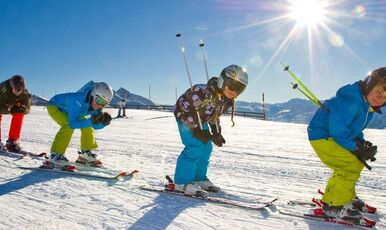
x: 100, y: 101
x: 236, y: 86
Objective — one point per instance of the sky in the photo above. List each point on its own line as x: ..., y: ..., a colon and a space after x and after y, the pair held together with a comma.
x: 59, y: 45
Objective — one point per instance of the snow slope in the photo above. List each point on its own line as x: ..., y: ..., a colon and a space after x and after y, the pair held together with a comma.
x: 261, y: 159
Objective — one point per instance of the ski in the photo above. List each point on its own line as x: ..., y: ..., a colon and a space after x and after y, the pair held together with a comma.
x: 215, y: 200
x: 364, y: 223
x: 22, y: 154
x: 71, y: 170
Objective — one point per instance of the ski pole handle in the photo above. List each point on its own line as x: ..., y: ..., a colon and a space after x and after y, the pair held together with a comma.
x: 178, y: 35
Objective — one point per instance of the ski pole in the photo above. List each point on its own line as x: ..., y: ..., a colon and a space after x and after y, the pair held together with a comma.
x: 201, y: 45
x: 296, y: 86
x: 306, y: 92
x: 178, y: 35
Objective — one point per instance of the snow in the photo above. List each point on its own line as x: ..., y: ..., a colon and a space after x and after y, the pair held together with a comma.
x: 261, y: 160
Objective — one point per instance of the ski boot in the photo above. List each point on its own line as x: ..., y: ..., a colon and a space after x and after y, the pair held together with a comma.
x: 362, y: 206
x: 86, y: 157
x: 13, y: 146
x: 207, y: 185
x: 346, y: 212
x: 190, y: 190
x: 356, y: 202
x: 58, y: 161
x: 330, y: 211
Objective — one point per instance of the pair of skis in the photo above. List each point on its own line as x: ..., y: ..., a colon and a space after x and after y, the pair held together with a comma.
x: 317, y: 213
x: 168, y: 189
x: 76, y: 169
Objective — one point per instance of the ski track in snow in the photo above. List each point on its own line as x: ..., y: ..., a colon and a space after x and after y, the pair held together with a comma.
x: 260, y: 160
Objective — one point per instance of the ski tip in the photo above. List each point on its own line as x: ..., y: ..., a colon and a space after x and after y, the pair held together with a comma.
x: 126, y: 174
x: 43, y: 154
x: 70, y: 168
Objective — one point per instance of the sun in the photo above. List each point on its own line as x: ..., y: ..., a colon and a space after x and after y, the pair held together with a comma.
x: 307, y: 12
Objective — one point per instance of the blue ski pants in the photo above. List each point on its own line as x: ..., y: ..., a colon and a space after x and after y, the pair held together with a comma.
x: 192, y: 163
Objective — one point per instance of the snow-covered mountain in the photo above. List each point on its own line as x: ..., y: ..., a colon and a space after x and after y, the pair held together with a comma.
x: 38, y: 100
x: 298, y: 111
x: 260, y: 160
x: 132, y: 99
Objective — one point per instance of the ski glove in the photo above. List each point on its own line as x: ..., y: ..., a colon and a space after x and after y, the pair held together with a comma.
x: 217, y: 139
x: 365, y: 150
x: 214, y: 129
x: 202, y: 135
x: 104, y: 118
x: 17, y: 108
x: 97, y: 118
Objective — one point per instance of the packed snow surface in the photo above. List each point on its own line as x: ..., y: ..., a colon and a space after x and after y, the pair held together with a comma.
x: 260, y: 160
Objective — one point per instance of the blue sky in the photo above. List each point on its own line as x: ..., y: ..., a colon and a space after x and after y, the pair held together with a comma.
x: 60, y: 45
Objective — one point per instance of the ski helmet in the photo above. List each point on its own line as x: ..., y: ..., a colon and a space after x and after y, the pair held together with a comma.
x: 375, y: 77
x: 18, y: 82
x: 234, y: 78
x: 102, y: 93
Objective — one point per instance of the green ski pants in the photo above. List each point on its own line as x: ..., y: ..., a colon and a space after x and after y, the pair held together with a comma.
x: 63, y: 137
x: 346, y: 168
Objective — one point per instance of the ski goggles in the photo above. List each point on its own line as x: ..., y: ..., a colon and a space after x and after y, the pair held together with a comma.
x: 101, y: 101
x: 235, y: 86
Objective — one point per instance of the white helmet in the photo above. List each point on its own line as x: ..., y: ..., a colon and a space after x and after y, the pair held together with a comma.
x: 102, y: 93
x: 234, y: 78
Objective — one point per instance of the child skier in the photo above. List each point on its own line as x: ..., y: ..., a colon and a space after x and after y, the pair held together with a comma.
x: 335, y: 133
x: 122, y: 107
x: 14, y: 100
x: 80, y: 110
x: 210, y: 101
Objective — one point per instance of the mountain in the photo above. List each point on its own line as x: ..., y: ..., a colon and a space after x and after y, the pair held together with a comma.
x: 298, y: 111
x: 132, y: 99
x: 38, y: 100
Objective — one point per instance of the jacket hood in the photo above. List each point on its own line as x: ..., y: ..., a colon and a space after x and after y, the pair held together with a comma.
x: 355, y: 91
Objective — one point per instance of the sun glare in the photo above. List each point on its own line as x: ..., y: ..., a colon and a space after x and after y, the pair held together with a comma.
x: 307, y: 12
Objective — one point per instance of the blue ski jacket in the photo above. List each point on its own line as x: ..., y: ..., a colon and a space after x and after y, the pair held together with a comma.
x: 347, y: 116
x: 77, y: 107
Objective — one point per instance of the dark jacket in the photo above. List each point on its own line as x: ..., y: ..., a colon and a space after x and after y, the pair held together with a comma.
x: 8, y: 99
x: 207, y: 99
